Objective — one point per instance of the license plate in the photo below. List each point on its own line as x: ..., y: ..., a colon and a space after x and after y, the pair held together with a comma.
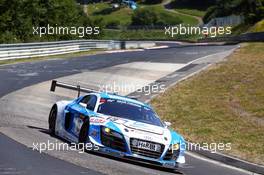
x: 148, y: 146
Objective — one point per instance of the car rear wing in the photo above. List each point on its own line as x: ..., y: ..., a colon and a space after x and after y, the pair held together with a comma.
x: 78, y: 88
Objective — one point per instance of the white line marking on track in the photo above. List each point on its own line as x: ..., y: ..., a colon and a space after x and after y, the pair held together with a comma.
x: 157, y: 47
x: 121, y: 51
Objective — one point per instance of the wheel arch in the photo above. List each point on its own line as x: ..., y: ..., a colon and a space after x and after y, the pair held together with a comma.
x: 60, y: 114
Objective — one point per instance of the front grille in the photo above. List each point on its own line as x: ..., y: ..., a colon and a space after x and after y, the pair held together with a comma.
x: 144, y: 152
x: 113, y: 142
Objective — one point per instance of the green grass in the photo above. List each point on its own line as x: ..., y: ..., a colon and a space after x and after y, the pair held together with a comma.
x: 222, y: 104
x: 258, y: 27
x: 143, y: 35
x: 105, y: 12
x: 193, y: 12
x: 248, y: 28
x: 188, y: 20
x: 63, y: 56
x: 240, y: 29
x: 170, y: 15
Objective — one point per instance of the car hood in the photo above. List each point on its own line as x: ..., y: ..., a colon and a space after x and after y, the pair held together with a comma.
x: 144, y: 127
x: 139, y: 130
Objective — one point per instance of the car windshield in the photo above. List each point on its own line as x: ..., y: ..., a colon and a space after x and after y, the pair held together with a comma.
x: 127, y: 110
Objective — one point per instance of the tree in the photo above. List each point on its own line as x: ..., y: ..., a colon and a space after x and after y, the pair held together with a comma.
x: 17, y: 18
x: 252, y: 10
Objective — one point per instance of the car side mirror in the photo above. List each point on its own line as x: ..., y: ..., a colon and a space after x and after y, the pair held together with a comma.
x: 167, y: 124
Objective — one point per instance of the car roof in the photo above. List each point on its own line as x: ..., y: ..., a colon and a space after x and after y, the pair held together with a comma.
x: 124, y: 98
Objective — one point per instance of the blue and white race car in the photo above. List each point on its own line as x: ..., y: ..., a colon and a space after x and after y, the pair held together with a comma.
x: 118, y: 126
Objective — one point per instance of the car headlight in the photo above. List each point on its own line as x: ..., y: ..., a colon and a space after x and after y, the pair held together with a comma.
x: 175, y: 147
x: 175, y: 151
x: 111, y: 132
x: 107, y: 130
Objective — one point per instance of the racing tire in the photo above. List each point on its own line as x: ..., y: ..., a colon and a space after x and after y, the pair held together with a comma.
x: 83, y: 136
x: 52, y: 119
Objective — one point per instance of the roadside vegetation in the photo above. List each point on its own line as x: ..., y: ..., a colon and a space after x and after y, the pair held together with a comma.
x: 168, y: 16
x: 104, y: 12
x: 224, y: 104
x: 193, y: 12
x: 258, y: 27
x: 192, y: 7
x: 248, y: 28
x: 253, y: 11
x: 147, y: 22
x: 144, y: 34
x: 124, y: 16
x: 17, y: 19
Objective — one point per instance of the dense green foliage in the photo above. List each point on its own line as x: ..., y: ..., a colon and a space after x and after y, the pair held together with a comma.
x: 252, y: 10
x: 17, y: 19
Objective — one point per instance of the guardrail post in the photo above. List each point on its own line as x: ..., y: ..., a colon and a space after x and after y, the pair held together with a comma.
x: 122, y: 45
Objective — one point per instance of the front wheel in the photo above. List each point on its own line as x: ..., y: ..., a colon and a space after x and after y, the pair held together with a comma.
x: 52, y: 119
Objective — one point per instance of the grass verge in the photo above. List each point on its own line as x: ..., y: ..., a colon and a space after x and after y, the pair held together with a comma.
x: 150, y: 34
x: 167, y: 15
x: 248, y: 28
x: 193, y: 12
x: 224, y: 104
x: 105, y: 12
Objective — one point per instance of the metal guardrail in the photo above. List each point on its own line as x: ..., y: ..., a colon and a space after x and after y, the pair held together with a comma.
x: 248, y: 37
x: 28, y: 50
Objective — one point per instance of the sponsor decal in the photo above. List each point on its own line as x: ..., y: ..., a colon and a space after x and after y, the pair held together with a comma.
x: 97, y: 120
x: 148, y: 138
x: 118, y: 120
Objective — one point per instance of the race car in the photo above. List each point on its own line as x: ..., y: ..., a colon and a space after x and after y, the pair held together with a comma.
x: 117, y: 125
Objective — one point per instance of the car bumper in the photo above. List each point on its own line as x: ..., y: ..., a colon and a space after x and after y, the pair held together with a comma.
x: 156, y: 162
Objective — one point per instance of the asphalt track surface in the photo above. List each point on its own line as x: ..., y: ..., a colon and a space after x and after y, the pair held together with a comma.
x: 16, y: 158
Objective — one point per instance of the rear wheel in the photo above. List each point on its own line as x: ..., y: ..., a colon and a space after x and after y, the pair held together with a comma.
x: 52, y: 119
